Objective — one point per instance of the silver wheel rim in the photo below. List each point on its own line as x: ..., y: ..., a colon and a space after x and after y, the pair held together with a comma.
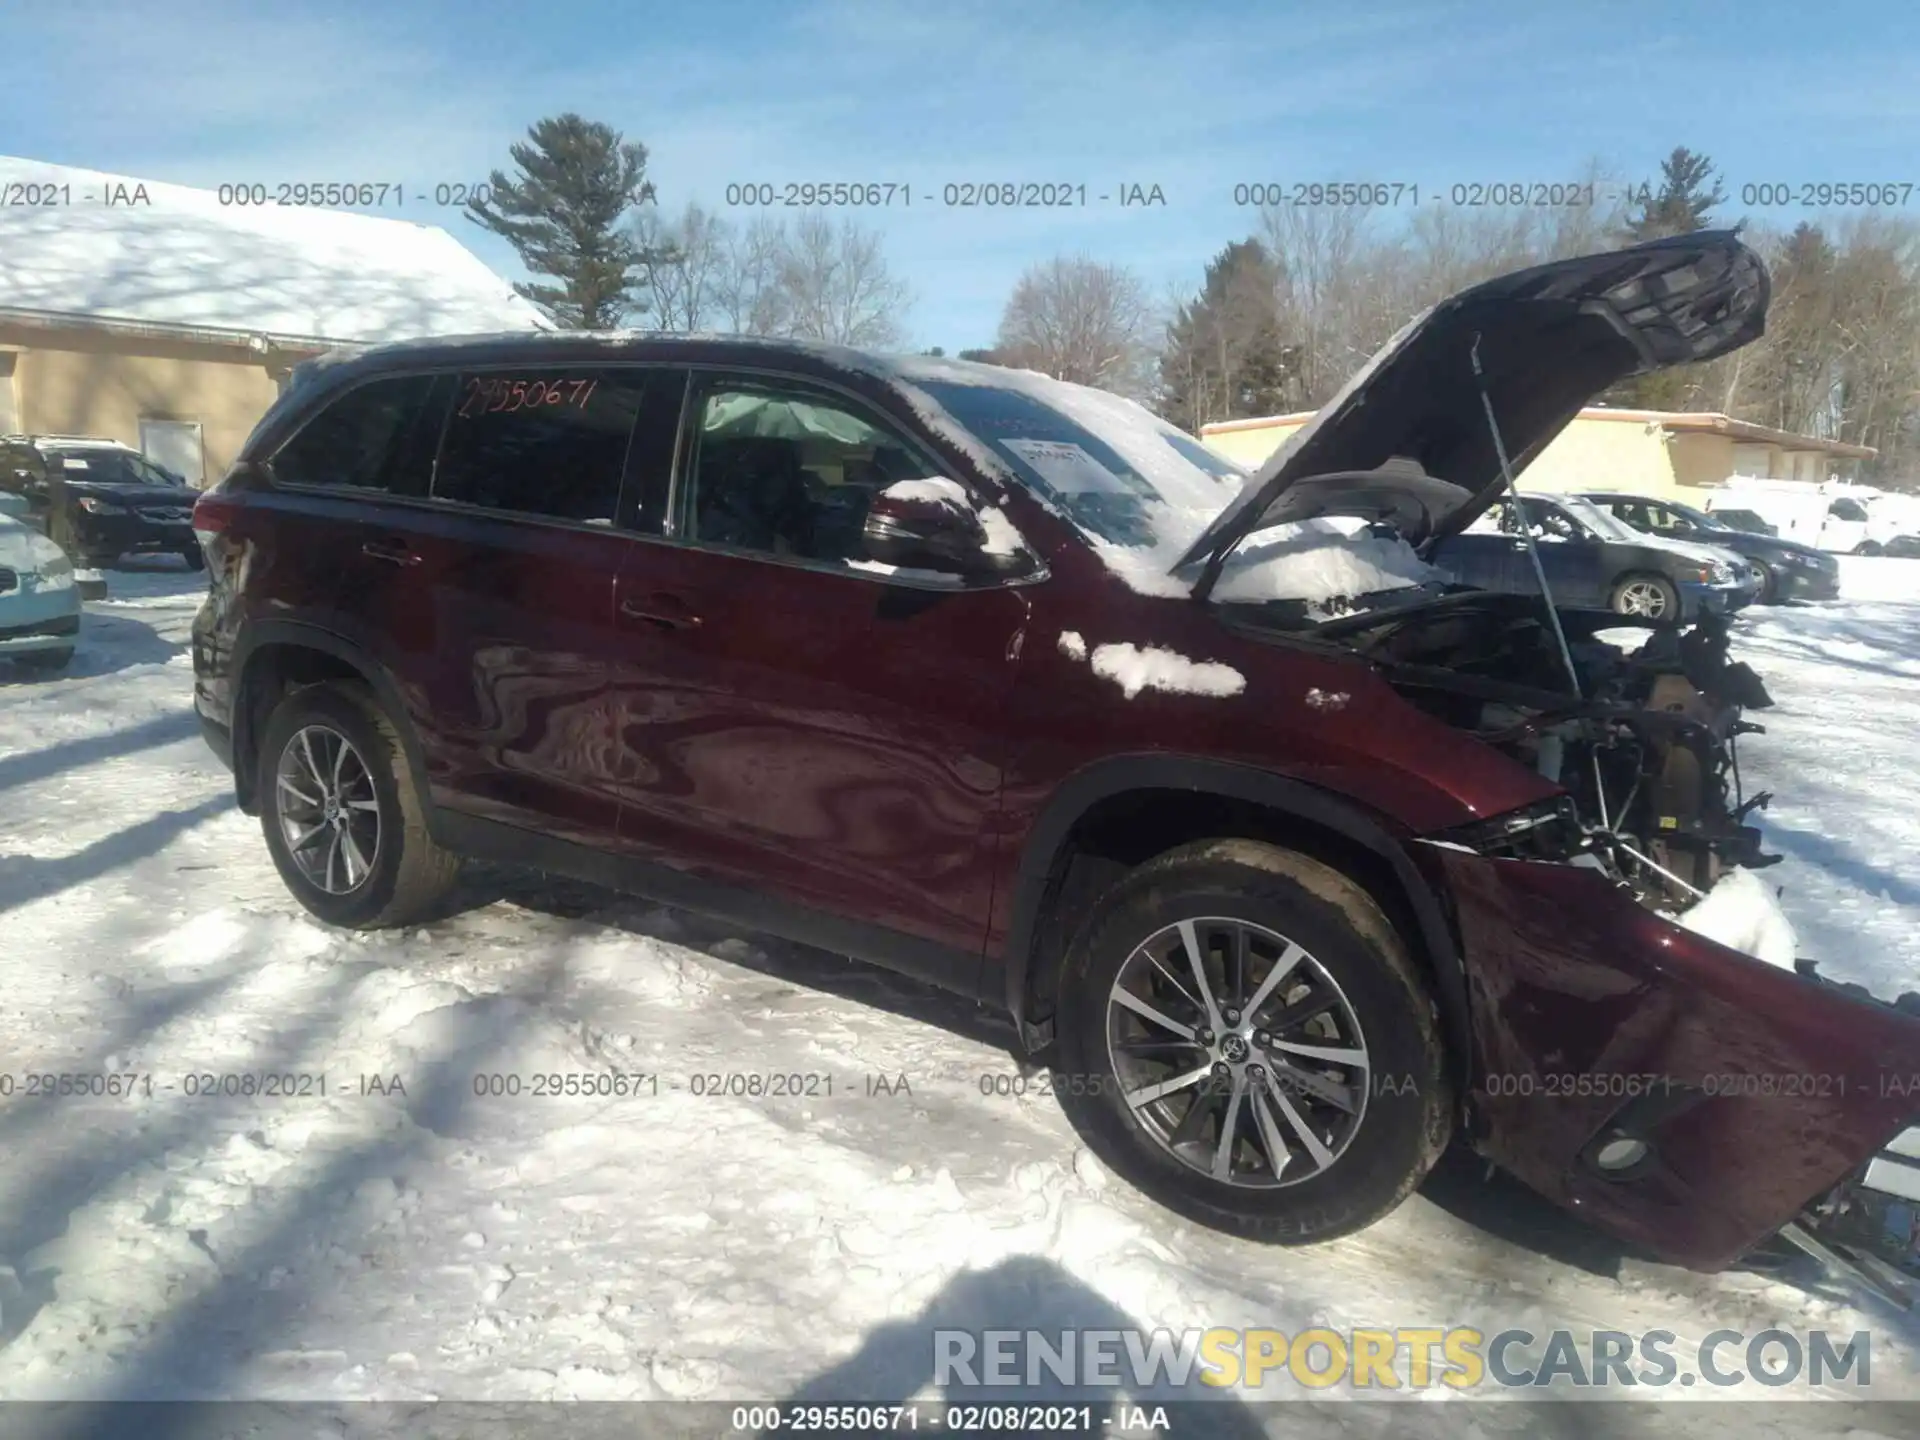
x: 328, y: 812
x: 1237, y: 1052
x: 1642, y: 597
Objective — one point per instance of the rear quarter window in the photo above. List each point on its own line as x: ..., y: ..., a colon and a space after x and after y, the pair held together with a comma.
x: 359, y: 440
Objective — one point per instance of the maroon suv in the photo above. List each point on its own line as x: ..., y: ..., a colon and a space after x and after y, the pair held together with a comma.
x: 1293, y: 858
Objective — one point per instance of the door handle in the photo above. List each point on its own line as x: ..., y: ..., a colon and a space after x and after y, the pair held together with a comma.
x: 669, y: 612
x: 394, y: 552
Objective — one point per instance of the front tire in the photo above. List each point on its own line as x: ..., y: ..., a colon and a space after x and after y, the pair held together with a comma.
x: 1243, y: 1037
x: 195, y: 557
x: 342, y: 818
x: 1653, y: 596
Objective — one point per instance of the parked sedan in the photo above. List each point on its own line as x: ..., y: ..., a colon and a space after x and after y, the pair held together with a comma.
x: 39, y: 607
x: 1594, y: 561
x: 1789, y: 570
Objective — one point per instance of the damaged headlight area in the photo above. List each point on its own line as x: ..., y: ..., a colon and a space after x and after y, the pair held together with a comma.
x: 1647, y: 755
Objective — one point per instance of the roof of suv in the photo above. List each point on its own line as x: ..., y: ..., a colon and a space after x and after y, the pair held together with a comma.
x: 507, y: 347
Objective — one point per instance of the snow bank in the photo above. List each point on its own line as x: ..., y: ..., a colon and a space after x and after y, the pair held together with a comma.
x: 1073, y: 645
x: 1154, y: 668
x: 1742, y: 913
x: 1324, y: 562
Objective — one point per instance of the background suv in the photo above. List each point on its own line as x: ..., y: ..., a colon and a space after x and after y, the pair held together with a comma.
x: 119, y: 501
x: 1790, y: 570
x: 1274, y: 842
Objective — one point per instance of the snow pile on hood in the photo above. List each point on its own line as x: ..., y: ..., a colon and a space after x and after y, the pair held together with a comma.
x: 1742, y: 913
x: 1326, y: 562
x: 1134, y: 669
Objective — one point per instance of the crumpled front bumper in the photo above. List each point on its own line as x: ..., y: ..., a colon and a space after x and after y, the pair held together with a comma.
x: 1676, y: 1093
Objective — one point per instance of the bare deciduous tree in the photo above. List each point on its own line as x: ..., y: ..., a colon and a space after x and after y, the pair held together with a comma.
x: 1081, y: 320
x: 836, y: 286
x: 683, y: 286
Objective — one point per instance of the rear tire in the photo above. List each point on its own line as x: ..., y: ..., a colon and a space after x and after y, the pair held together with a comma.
x: 1232, y: 1151
x: 348, y: 832
x: 1653, y: 596
x: 48, y: 660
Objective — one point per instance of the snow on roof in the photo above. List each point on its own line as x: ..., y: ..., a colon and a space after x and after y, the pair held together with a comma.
x: 183, y: 258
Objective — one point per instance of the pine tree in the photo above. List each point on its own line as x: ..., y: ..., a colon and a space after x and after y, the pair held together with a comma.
x: 1225, y: 357
x: 562, y: 212
x: 1689, y: 189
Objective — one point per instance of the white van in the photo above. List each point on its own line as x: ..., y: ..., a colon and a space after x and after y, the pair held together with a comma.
x: 1830, y: 516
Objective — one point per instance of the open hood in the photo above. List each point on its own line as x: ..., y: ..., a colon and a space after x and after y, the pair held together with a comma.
x: 1406, y: 439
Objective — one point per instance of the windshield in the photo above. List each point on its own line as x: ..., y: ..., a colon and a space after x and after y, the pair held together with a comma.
x: 1119, y: 473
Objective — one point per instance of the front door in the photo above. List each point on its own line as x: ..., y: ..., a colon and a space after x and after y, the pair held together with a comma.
x: 794, y: 719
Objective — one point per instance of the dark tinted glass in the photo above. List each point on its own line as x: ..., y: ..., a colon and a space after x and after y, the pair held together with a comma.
x: 550, y: 442
x: 355, y: 441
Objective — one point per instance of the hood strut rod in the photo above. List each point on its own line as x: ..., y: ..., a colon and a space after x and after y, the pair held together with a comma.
x: 1520, y: 516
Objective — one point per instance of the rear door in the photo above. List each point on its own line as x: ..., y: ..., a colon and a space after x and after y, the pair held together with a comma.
x: 794, y: 720
x: 509, y: 560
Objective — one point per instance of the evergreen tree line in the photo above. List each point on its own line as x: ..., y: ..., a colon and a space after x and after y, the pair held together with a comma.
x: 1281, y: 317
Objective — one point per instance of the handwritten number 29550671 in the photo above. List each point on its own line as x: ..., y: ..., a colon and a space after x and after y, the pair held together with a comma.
x: 498, y: 396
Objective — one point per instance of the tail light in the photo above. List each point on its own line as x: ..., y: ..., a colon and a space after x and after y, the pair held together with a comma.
x: 213, y: 515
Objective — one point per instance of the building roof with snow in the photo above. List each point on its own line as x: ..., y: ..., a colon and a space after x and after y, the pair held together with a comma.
x: 111, y: 248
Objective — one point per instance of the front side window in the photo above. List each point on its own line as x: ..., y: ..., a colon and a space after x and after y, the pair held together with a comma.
x: 790, y: 472
x: 546, y: 441
x: 1847, y: 510
x: 356, y: 441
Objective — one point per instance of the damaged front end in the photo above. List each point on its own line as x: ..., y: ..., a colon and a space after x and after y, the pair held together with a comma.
x: 1632, y: 1060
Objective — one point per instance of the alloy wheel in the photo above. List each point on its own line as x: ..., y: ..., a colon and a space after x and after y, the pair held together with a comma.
x: 328, y: 812
x: 1237, y: 1052
x: 1643, y: 597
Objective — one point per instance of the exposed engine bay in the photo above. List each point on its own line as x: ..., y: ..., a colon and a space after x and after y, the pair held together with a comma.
x: 1647, y: 751
x: 1648, y: 755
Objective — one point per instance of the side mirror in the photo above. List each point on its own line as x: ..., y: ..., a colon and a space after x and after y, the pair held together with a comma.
x: 931, y: 525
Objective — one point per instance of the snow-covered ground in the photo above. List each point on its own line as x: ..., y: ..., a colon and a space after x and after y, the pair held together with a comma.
x: 438, y: 1243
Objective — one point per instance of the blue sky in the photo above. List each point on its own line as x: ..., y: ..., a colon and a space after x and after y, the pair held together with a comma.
x: 1191, y: 96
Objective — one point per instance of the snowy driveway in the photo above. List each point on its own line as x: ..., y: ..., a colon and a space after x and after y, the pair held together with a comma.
x: 180, y: 1239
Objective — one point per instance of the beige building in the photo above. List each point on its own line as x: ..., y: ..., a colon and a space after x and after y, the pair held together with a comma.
x: 1644, y: 452
x: 168, y: 318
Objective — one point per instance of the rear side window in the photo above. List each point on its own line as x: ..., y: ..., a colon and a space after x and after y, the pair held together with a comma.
x: 357, y: 441
x: 547, y: 442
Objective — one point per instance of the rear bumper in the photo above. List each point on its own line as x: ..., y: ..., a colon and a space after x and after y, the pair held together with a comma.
x: 1754, y: 1090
